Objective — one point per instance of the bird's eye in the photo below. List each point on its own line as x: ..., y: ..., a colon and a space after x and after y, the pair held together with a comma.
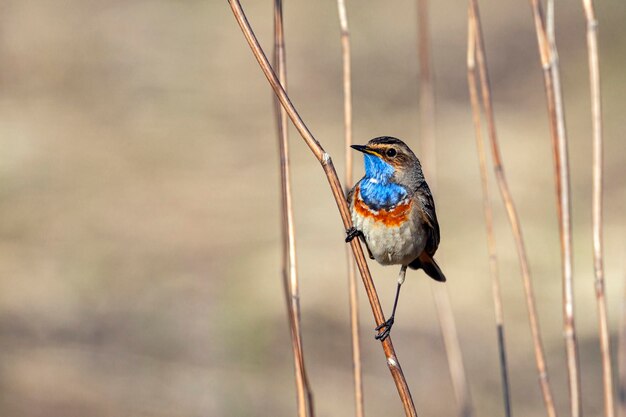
x: 391, y: 152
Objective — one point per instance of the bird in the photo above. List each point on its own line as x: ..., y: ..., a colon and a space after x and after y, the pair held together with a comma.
x: 393, y: 213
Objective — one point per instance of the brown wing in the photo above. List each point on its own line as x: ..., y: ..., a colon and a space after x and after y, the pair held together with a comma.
x: 429, y: 217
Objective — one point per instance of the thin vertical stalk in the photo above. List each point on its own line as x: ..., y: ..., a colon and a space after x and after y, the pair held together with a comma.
x: 509, y: 205
x: 453, y: 350
x: 551, y: 75
x: 621, y: 354
x: 597, y: 165
x: 426, y: 89
x: 290, y: 274
x: 348, y: 179
x: 428, y: 152
x: 487, y: 209
x: 338, y: 193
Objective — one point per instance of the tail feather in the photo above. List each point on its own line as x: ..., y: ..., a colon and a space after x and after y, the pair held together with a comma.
x: 428, y: 264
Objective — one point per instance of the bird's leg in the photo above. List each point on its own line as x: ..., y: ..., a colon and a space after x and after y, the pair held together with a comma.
x: 351, y: 233
x: 385, y: 328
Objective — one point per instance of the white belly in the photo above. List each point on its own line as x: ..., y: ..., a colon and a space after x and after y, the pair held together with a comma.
x: 391, y: 245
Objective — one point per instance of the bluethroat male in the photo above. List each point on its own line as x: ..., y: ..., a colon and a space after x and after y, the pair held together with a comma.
x: 393, y: 213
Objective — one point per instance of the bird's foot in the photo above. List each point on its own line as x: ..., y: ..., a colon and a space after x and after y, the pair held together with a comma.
x: 384, y: 329
x: 351, y: 233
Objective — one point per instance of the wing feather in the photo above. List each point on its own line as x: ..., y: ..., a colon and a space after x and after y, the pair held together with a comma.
x: 429, y: 217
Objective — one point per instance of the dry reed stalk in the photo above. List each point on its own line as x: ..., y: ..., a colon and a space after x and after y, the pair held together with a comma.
x: 551, y: 76
x: 427, y: 89
x: 335, y: 185
x: 348, y: 182
x: 621, y: 356
x: 453, y: 351
x: 598, y: 263
x: 290, y: 274
x: 487, y: 209
x: 428, y: 152
x: 481, y: 60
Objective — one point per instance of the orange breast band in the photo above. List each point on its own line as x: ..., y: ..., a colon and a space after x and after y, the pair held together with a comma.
x: 393, y: 217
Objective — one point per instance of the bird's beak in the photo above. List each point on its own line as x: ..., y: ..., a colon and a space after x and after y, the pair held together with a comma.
x: 365, y: 149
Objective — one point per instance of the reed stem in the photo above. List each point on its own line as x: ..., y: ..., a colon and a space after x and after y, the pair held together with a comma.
x: 550, y: 64
x: 348, y: 179
x: 621, y: 354
x: 597, y: 192
x: 488, y: 211
x: 303, y: 390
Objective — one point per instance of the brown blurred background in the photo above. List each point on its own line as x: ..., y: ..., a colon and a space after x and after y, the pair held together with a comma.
x: 139, y: 234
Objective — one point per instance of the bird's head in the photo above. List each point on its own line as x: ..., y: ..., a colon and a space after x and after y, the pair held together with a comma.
x: 388, y: 159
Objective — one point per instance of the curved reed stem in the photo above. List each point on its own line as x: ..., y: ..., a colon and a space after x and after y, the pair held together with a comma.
x: 336, y: 188
x: 491, y: 240
x: 550, y: 64
x: 481, y: 61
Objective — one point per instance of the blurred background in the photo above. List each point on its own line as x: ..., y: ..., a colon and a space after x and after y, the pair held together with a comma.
x: 139, y: 207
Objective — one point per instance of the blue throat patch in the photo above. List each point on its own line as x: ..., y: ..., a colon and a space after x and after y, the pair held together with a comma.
x: 377, y: 190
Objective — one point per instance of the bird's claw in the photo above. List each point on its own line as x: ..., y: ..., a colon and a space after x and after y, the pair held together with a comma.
x: 351, y: 233
x: 383, y: 334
